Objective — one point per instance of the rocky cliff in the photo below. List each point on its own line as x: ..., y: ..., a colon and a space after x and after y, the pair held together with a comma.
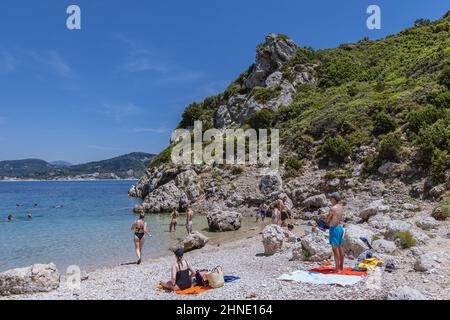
x: 369, y: 119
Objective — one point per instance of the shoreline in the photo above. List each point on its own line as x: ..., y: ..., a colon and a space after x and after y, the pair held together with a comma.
x: 239, y: 257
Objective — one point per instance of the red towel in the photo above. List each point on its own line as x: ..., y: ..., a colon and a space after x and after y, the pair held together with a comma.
x: 346, y: 271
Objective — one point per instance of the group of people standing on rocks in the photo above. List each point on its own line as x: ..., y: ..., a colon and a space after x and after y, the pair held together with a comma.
x: 332, y: 221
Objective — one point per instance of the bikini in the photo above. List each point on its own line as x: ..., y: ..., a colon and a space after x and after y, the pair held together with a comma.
x: 139, y: 233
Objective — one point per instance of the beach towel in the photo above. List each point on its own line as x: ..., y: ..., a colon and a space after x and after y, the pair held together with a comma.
x: 320, y: 278
x: 191, y: 290
x: 371, y: 263
x: 346, y: 271
x: 230, y: 278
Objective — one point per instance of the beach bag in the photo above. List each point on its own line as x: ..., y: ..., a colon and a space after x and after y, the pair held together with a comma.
x: 200, y: 278
x: 215, y: 278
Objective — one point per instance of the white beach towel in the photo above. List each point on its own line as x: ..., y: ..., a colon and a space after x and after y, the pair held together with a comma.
x: 319, y: 278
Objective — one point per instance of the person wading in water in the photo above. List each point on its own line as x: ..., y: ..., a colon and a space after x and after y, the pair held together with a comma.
x: 140, y: 230
x: 174, y: 219
x: 189, y: 217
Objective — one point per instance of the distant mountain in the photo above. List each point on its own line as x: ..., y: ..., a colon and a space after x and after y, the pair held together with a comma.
x: 126, y: 166
x: 60, y: 163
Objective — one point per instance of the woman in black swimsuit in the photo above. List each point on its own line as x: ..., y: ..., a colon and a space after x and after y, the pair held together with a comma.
x: 140, y: 230
x: 182, y: 274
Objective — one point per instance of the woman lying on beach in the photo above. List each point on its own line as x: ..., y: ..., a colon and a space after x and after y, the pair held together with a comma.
x: 181, y: 274
x: 140, y: 230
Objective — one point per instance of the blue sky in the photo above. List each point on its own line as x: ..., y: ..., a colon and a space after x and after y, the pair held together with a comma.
x: 121, y: 83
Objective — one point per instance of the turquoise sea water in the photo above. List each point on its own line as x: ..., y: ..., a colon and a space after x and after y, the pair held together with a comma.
x: 84, y: 223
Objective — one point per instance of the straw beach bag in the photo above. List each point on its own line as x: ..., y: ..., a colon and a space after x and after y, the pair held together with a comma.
x: 215, y: 277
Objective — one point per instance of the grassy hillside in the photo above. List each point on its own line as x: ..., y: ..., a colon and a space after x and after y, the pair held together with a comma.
x: 390, y: 93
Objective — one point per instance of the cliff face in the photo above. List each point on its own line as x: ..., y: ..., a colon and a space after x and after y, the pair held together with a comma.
x: 368, y: 119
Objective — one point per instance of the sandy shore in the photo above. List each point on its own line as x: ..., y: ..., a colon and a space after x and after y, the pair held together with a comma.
x: 258, y: 274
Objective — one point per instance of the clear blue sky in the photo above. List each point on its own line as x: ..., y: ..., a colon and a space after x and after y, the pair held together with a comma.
x: 121, y: 83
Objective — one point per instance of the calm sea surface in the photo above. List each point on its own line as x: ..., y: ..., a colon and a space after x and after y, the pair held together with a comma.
x: 84, y: 223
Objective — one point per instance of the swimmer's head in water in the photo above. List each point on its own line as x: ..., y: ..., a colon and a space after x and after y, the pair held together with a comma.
x: 141, y: 215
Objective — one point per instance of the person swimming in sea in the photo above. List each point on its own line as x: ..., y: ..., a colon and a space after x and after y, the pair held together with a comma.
x: 29, y: 216
x: 10, y: 217
x: 140, y: 230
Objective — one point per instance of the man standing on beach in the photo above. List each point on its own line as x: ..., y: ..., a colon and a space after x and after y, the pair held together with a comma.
x: 189, y: 216
x: 334, y: 219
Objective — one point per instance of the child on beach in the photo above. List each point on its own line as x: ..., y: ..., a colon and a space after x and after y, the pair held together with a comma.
x: 262, y: 211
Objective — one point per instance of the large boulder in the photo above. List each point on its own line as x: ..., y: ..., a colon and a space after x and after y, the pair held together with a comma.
x: 396, y: 226
x: 315, y: 202
x: 431, y: 260
x: 384, y: 246
x: 271, y: 184
x: 219, y: 220
x: 273, y: 239
x: 195, y: 240
x: 427, y: 223
x: 297, y: 252
x: 352, y: 243
x: 405, y: 293
x: 373, y: 209
x: 37, y: 278
x: 316, y: 248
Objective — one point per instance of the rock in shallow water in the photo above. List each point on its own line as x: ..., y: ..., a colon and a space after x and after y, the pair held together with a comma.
x: 37, y: 278
x: 195, y: 240
x: 219, y: 221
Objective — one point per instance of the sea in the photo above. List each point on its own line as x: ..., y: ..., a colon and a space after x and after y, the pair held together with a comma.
x: 80, y: 223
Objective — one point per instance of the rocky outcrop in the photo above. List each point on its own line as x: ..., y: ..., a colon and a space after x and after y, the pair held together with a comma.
x: 219, y: 220
x: 195, y: 240
x: 272, y: 54
x: 431, y: 260
x: 426, y: 222
x: 271, y: 184
x: 37, y: 278
x: 273, y: 238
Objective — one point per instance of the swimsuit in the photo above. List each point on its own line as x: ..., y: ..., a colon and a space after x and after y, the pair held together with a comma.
x: 336, y: 236
x: 139, y: 233
x: 183, y: 278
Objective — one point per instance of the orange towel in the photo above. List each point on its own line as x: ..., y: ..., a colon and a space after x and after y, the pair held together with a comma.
x: 346, y: 271
x: 191, y: 290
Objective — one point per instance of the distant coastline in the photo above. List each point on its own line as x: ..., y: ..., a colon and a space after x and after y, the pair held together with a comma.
x: 64, y: 180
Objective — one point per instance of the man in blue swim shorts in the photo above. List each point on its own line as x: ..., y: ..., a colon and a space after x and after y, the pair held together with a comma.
x: 334, y: 219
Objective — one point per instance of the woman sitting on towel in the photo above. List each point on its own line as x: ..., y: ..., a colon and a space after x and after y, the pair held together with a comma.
x: 182, y: 274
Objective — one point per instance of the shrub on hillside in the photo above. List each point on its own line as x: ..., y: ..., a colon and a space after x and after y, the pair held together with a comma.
x: 261, y: 119
x: 264, y: 95
x: 440, y: 163
x: 427, y: 116
x: 293, y: 167
x: 383, y: 123
x: 389, y: 147
x: 192, y: 113
x: 442, y: 211
x: 436, y: 136
x: 405, y: 239
x: 336, y: 149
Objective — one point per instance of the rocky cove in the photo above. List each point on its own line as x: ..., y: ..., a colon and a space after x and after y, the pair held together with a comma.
x: 350, y: 123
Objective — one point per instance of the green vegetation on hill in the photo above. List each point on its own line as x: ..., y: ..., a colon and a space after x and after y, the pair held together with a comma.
x: 125, y: 166
x: 395, y: 90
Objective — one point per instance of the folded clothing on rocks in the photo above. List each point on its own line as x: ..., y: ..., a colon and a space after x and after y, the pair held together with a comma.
x: 321, y: 278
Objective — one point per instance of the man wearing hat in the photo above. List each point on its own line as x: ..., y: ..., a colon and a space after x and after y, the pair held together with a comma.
x: 334, y: 220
